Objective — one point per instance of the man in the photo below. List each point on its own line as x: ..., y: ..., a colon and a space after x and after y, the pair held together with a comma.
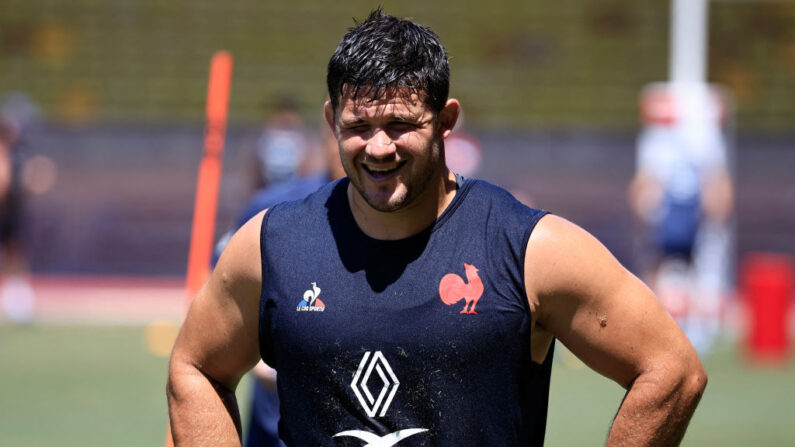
x: 406, y: 305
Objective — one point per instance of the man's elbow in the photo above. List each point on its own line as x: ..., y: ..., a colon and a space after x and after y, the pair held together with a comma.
x: 184, y: 380
x: 682, y: 379
x: 694, y: 382
x: 178, y: 381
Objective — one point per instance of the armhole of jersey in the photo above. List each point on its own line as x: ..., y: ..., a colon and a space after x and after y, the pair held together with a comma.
x: 525, y: 239
x: 263, y: 272
x: 535, y: 367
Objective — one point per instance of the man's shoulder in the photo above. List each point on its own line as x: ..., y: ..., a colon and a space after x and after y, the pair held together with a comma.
x: 501, y: 199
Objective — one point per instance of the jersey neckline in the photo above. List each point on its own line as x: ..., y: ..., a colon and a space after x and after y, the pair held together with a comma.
x: 341, y: 198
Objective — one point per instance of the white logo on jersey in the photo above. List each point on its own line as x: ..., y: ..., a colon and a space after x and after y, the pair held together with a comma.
x: 387, y: 440
x: 311, y: 302
x: 370, y: 403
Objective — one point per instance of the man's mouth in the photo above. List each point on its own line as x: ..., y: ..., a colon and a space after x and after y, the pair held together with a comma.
x: 380, y: 173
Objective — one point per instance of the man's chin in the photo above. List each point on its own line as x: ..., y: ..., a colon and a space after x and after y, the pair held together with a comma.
x: 385, y: 203
x: 383, y: 206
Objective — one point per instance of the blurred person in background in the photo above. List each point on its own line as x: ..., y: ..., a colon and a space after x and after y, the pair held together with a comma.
x: 682, y: 193
x: 367, y: 271
x: 17, y: 115
x: 282, y: 148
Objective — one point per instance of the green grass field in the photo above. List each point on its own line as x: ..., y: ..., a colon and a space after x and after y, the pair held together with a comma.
x: 100, y: 386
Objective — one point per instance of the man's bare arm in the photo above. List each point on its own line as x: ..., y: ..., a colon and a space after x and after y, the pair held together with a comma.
x: 612, y: 321
x: 217, y: 344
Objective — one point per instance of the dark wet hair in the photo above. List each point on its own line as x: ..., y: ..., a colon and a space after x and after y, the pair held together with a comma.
x: 385, y: 52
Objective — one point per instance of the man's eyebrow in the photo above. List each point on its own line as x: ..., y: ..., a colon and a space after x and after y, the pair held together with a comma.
x: 414, y: 117
x: 409, y: 118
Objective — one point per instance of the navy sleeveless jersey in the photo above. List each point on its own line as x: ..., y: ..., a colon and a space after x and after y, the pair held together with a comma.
x: 423, y: 341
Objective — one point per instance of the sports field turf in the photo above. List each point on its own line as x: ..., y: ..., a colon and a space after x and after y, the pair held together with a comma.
x: 100, y: 386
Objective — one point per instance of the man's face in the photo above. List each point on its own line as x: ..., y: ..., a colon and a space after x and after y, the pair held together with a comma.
x: 390, y: 148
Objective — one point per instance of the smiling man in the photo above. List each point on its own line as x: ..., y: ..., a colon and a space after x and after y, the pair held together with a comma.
x: 437, y: 299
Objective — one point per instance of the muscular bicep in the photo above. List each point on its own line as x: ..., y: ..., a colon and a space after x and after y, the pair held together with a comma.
x: 599, y: 310
x: 219, y: 336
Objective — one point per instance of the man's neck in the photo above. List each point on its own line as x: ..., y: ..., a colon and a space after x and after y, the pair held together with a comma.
x: 415, y: 217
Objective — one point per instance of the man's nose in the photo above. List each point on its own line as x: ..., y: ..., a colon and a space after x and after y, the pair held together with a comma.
x: 380, y: 145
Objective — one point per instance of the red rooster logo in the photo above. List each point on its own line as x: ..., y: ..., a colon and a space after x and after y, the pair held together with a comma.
x: 452, y: 289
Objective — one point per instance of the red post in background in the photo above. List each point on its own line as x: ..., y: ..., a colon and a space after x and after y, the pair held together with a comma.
x: 209, y: 180
x: 767, y: 287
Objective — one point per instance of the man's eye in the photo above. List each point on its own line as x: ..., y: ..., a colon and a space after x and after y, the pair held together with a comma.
x: 402, y: 125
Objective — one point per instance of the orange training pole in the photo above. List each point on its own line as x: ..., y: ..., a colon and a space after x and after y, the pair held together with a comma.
x: 207, y: 187
x: 209, y: 179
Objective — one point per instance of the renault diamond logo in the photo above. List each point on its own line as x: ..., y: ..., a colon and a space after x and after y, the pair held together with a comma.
x: 371, y: 403
x: 376, y: 404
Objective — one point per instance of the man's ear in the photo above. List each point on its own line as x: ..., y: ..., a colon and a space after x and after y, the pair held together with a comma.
x: 448, y: 116
x: 328, y: 113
